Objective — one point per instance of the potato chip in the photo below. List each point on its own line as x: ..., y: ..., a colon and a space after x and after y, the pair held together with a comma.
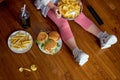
x: 69, y: 9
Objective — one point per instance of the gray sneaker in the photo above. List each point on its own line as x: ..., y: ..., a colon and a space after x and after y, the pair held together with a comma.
x: 80, y: 56
x: 38, y: 4
x: 107, y: 40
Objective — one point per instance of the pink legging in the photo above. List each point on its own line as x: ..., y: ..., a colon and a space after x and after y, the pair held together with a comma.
x: 64, y: 26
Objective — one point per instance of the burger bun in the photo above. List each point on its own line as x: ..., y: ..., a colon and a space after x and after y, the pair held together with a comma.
x: 54, y: 35
x: 42, y: 37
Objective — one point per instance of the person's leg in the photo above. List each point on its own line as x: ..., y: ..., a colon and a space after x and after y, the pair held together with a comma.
x: 106, y: 40
x: 64, y: 29
x: 68, y: 37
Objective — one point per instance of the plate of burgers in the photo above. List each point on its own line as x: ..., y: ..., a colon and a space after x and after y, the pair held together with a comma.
x: 49, y: 43
x: 70, y: 9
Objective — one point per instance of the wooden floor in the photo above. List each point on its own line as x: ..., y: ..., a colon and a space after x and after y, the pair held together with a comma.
x: 102, y: 65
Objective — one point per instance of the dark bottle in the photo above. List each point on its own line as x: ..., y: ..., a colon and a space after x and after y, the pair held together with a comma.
x: 25, y: 19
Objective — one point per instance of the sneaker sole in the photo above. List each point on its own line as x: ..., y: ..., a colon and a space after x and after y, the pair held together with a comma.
x: 84, y: 59
x: 106, y: 46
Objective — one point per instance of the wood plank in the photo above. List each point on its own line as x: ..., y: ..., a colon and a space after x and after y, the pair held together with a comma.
x: 102, y: 65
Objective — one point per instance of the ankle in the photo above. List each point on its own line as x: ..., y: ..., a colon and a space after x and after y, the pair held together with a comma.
x: 100, y: 34
x: 76, y: 49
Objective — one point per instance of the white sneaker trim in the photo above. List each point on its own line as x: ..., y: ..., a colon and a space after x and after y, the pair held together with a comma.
x: 105, y: 46
x: 83, y: 59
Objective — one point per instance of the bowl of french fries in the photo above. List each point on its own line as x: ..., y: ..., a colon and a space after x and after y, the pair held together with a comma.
x: 69, y: 9
x: 20, y: 41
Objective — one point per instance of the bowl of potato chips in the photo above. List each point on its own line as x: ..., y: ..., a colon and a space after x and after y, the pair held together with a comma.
x: 69, y: 9
x: 20, y: 41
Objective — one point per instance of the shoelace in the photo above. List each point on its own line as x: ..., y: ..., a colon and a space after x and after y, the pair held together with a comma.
x: 104, y: 37
x: 76, y: 52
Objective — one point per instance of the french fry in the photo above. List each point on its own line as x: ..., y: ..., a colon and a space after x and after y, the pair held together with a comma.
x: 20, y: 41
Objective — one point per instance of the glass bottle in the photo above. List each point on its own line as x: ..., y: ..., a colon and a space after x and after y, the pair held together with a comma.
x: 25, y: 19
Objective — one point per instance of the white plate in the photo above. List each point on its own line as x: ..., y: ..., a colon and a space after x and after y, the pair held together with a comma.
x: 57, y: 49
x: 20, y: 50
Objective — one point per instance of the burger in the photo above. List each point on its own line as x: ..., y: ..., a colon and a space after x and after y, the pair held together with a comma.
x: 54, y: 35
x: 48, y: 42
x: 42, y: 37
x: 50, y: 46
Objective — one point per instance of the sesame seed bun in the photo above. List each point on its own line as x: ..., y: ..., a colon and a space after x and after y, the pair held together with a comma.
x: 50, y: 45
x: 42, y: 37
x: 54, y: 35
